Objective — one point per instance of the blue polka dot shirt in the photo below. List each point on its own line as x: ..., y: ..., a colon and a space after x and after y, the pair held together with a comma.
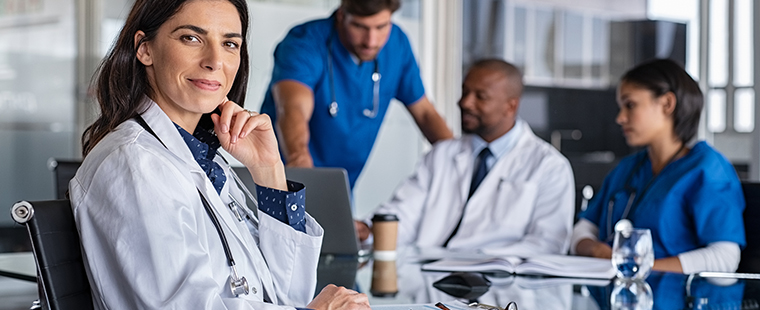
x: 203, y: 146
x: 288, y: 207
x: 285, y: 206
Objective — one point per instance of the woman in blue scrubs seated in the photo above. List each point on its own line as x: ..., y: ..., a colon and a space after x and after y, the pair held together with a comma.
x: 687, y: 194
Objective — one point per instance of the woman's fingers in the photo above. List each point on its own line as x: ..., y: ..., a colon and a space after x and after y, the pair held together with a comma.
x: 339, y: 298
x: 236, y: 126
x: 238, y: 122
x: 228, y: 109
x: 256, y: 122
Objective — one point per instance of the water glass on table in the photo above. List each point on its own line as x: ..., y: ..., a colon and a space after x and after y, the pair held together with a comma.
x: 632, y: 253
x: 631, y: 295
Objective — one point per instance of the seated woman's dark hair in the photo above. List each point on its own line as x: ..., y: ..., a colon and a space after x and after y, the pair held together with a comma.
x: 664, y: 75
x: 121, y: 82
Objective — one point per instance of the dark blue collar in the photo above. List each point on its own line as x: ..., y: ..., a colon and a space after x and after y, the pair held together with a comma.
x: 203, y: 146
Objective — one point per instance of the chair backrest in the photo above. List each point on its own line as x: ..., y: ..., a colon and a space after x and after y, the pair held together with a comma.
x: 64, y: 171
x: 751, y: 254
x: 62, y: 278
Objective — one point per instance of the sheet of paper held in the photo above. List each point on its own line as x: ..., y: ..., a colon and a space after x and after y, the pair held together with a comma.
x: 449, y: 305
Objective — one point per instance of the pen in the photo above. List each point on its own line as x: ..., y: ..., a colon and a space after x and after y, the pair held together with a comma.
x: 442, y: 306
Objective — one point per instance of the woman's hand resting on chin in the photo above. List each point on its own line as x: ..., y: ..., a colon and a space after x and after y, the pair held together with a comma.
x: 249, y: 137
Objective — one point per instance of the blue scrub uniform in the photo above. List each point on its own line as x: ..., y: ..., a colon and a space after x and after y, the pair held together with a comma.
x: 345, y: 139
x: 695, y: 200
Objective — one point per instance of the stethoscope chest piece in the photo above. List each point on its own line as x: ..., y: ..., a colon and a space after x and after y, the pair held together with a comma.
x: 376, y: 76
x: 239, y: 286
x: 333, y: 109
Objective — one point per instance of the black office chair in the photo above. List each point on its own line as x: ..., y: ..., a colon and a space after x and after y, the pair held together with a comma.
x: 750, y: 262
x: 64, y: 171
x: 61, y: 276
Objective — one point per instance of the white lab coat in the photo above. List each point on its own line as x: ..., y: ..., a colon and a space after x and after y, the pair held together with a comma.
x: 149, y: 244
x: 524, y: 206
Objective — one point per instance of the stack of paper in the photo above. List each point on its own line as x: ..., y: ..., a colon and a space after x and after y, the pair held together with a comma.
x: 545, y: 265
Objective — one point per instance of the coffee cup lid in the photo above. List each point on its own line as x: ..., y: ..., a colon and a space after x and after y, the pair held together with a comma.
x: 384, y: 218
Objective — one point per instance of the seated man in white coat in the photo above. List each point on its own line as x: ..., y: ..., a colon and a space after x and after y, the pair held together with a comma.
x: 498, y: 188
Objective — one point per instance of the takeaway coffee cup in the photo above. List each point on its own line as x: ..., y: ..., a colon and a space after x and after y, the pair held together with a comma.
x: 385, y: 231
x: 384, y: 281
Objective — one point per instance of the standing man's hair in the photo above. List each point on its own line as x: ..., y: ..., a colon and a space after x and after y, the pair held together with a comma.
x: 368, y: 7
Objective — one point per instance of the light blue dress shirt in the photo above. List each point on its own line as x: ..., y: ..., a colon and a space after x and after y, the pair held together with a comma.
x: 502, y: 145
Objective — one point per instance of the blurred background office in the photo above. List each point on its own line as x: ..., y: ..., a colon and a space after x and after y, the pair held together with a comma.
x: 571, y: 52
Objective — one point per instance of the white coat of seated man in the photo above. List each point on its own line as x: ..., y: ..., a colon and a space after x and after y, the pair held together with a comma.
x: 525, y: 204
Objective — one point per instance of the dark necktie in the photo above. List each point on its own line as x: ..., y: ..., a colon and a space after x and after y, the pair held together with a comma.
x: 480, y: 173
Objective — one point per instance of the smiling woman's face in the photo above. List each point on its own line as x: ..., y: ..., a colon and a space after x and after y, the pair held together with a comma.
x: 192, y: 62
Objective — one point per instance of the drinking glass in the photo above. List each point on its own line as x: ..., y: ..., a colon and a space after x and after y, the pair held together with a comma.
x: 631, y: 295
x: 632, y: 253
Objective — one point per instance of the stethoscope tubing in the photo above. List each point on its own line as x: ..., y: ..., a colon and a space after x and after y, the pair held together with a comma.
x: 633, y: 199
x: 333, y: 108
x: 238, y: 285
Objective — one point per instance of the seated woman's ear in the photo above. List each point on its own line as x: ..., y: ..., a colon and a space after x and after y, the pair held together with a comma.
x: 669, y: 102
x: 143, y: 50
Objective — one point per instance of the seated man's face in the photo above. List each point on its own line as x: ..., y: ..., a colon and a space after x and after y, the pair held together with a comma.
x: 488, y: 109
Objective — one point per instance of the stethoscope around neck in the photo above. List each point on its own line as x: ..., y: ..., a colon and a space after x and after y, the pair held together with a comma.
x: 633, y: 200
x: 238, y: 285
x: 333, y: 108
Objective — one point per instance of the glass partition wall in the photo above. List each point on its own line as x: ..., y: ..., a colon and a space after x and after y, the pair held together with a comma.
x: 37, y: 96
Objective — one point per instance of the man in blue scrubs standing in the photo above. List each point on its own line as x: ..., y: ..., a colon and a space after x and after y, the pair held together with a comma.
x: 332, y: 83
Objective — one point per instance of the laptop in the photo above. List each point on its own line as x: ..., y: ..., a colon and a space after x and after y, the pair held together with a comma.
x: 328, y: 201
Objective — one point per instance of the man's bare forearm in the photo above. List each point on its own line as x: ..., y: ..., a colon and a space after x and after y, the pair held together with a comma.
x: 295, y: 104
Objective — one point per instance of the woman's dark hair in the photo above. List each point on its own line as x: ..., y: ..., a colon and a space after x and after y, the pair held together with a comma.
x: 369, y: 8
x: 121, y: 81
x: 664, y: 75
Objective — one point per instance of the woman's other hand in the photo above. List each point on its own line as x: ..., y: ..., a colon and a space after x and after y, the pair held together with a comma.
x: 593, y: 248
x: 339, y: 298
x: 249, y: 137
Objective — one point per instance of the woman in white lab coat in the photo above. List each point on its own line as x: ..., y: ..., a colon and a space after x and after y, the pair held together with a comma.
x: 147, y: 191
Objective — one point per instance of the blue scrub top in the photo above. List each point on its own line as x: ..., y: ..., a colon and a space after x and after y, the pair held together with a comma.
x: 695, y: 200
x: 346, y: 139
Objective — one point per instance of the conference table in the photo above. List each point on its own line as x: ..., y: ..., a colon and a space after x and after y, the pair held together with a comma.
x: 417, y: 287
x: 661, y: 290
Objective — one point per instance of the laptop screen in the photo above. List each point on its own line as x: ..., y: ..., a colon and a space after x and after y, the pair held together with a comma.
x: 327, y: 200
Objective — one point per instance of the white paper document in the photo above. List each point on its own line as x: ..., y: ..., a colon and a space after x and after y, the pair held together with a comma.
x: 452, y: 305
x: 544, y: 265
x: 421, y: 254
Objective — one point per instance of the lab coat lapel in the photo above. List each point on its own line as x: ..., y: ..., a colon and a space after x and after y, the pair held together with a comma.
x: 231, y: 223
x: 463, y: 161
x: 164, y: 128
x: 167, y: 132
x: 507, y: 165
